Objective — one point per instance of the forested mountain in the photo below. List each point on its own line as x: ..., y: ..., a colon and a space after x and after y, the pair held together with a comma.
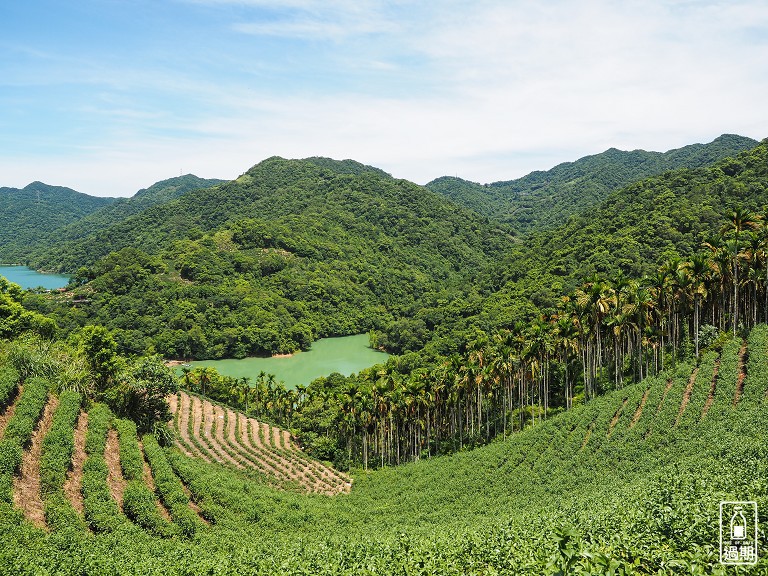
x: 51, y: 229
x: 618, y: 361
x: 289, y: 252
x: 543, y: 200
x: 37, y: 209
x: 633, y: 230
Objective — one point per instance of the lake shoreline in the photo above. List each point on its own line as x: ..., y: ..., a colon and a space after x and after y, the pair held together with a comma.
x: 341, y: 354
x: 29, y: 278
x: 175, y: 362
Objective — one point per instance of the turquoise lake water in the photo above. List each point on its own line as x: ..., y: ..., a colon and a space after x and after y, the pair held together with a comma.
x: 345, y: 355
x: 28, y: 278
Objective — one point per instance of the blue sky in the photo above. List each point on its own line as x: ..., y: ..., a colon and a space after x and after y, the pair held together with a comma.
x: 109, y: 96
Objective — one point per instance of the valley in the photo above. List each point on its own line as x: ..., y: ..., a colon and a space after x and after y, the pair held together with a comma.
x: 383, y: 378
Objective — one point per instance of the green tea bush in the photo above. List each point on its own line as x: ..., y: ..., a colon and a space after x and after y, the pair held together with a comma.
x: 56, y: 453
x: 9, y: 381
x: 170, y: 488
x: 18, y: 433
x: 101, y: 510
x: 29, y: 408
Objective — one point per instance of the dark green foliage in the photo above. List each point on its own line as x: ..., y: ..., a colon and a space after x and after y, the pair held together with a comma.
x: 38, y: 209
x: 15, y: 319
x: 63, y: 215
x: 58, y: 443
x: 545, y: 200
x: 140, y: 392
x: 100, y: 351
x: 290, y: 252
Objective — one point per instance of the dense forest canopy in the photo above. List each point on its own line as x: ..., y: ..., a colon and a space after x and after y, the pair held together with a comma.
x: 544, y: 200
x: 289, y: 252
x: 71, y: 216
x: 36, y: 209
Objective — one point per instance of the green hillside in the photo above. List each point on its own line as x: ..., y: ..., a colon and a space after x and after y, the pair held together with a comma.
x: 634, y: 230
x: 289, y: 252
x: 27, y: 213
x: 547, y: 199
x: 627, y: 484
x: 50, y: 227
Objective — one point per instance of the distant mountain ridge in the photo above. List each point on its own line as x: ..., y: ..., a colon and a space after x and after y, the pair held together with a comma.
x: 62, y: 214
x: 545, y: 199
x: 27, y: 212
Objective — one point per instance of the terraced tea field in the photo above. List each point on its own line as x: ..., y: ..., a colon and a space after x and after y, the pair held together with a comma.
x: 626, y: 484
x: 216, y: 433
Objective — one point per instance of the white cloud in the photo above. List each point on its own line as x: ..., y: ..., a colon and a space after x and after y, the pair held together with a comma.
x: 488, y: 90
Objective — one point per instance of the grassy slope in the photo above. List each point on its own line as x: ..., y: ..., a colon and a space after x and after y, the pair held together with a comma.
x: 646, y: 496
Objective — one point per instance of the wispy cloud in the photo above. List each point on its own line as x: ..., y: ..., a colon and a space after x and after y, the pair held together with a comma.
x: 490, y: 89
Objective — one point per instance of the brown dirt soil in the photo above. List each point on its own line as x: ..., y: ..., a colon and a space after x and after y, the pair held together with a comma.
x: 270, y: 457
x: 664, y: 395
x: 195, y: 407
x: 222, y: 438
x: 75, y: 475
x: 639, y: 411
x: 197, y: 414
x: 314, y: 476
x: 209, y: 418
x: 173, y: 401
x: 150, y: 482
x: 616, y: 416
x: 712, y: 387
x: 8, y: 414
x: 742, y: 373
x: 275, y: 467
x: 183, y: 431
x: 115, y: 478
x: 687, y: 394
x: 26, y: 486
x: 322, y: 484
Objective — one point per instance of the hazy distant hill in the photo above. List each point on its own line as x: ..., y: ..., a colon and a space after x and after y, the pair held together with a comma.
x: 37, y: 209
x: 543, y: 200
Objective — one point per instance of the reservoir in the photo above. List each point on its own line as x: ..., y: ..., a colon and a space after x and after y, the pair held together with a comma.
x: 28, y: 278
x: 345, y: 355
